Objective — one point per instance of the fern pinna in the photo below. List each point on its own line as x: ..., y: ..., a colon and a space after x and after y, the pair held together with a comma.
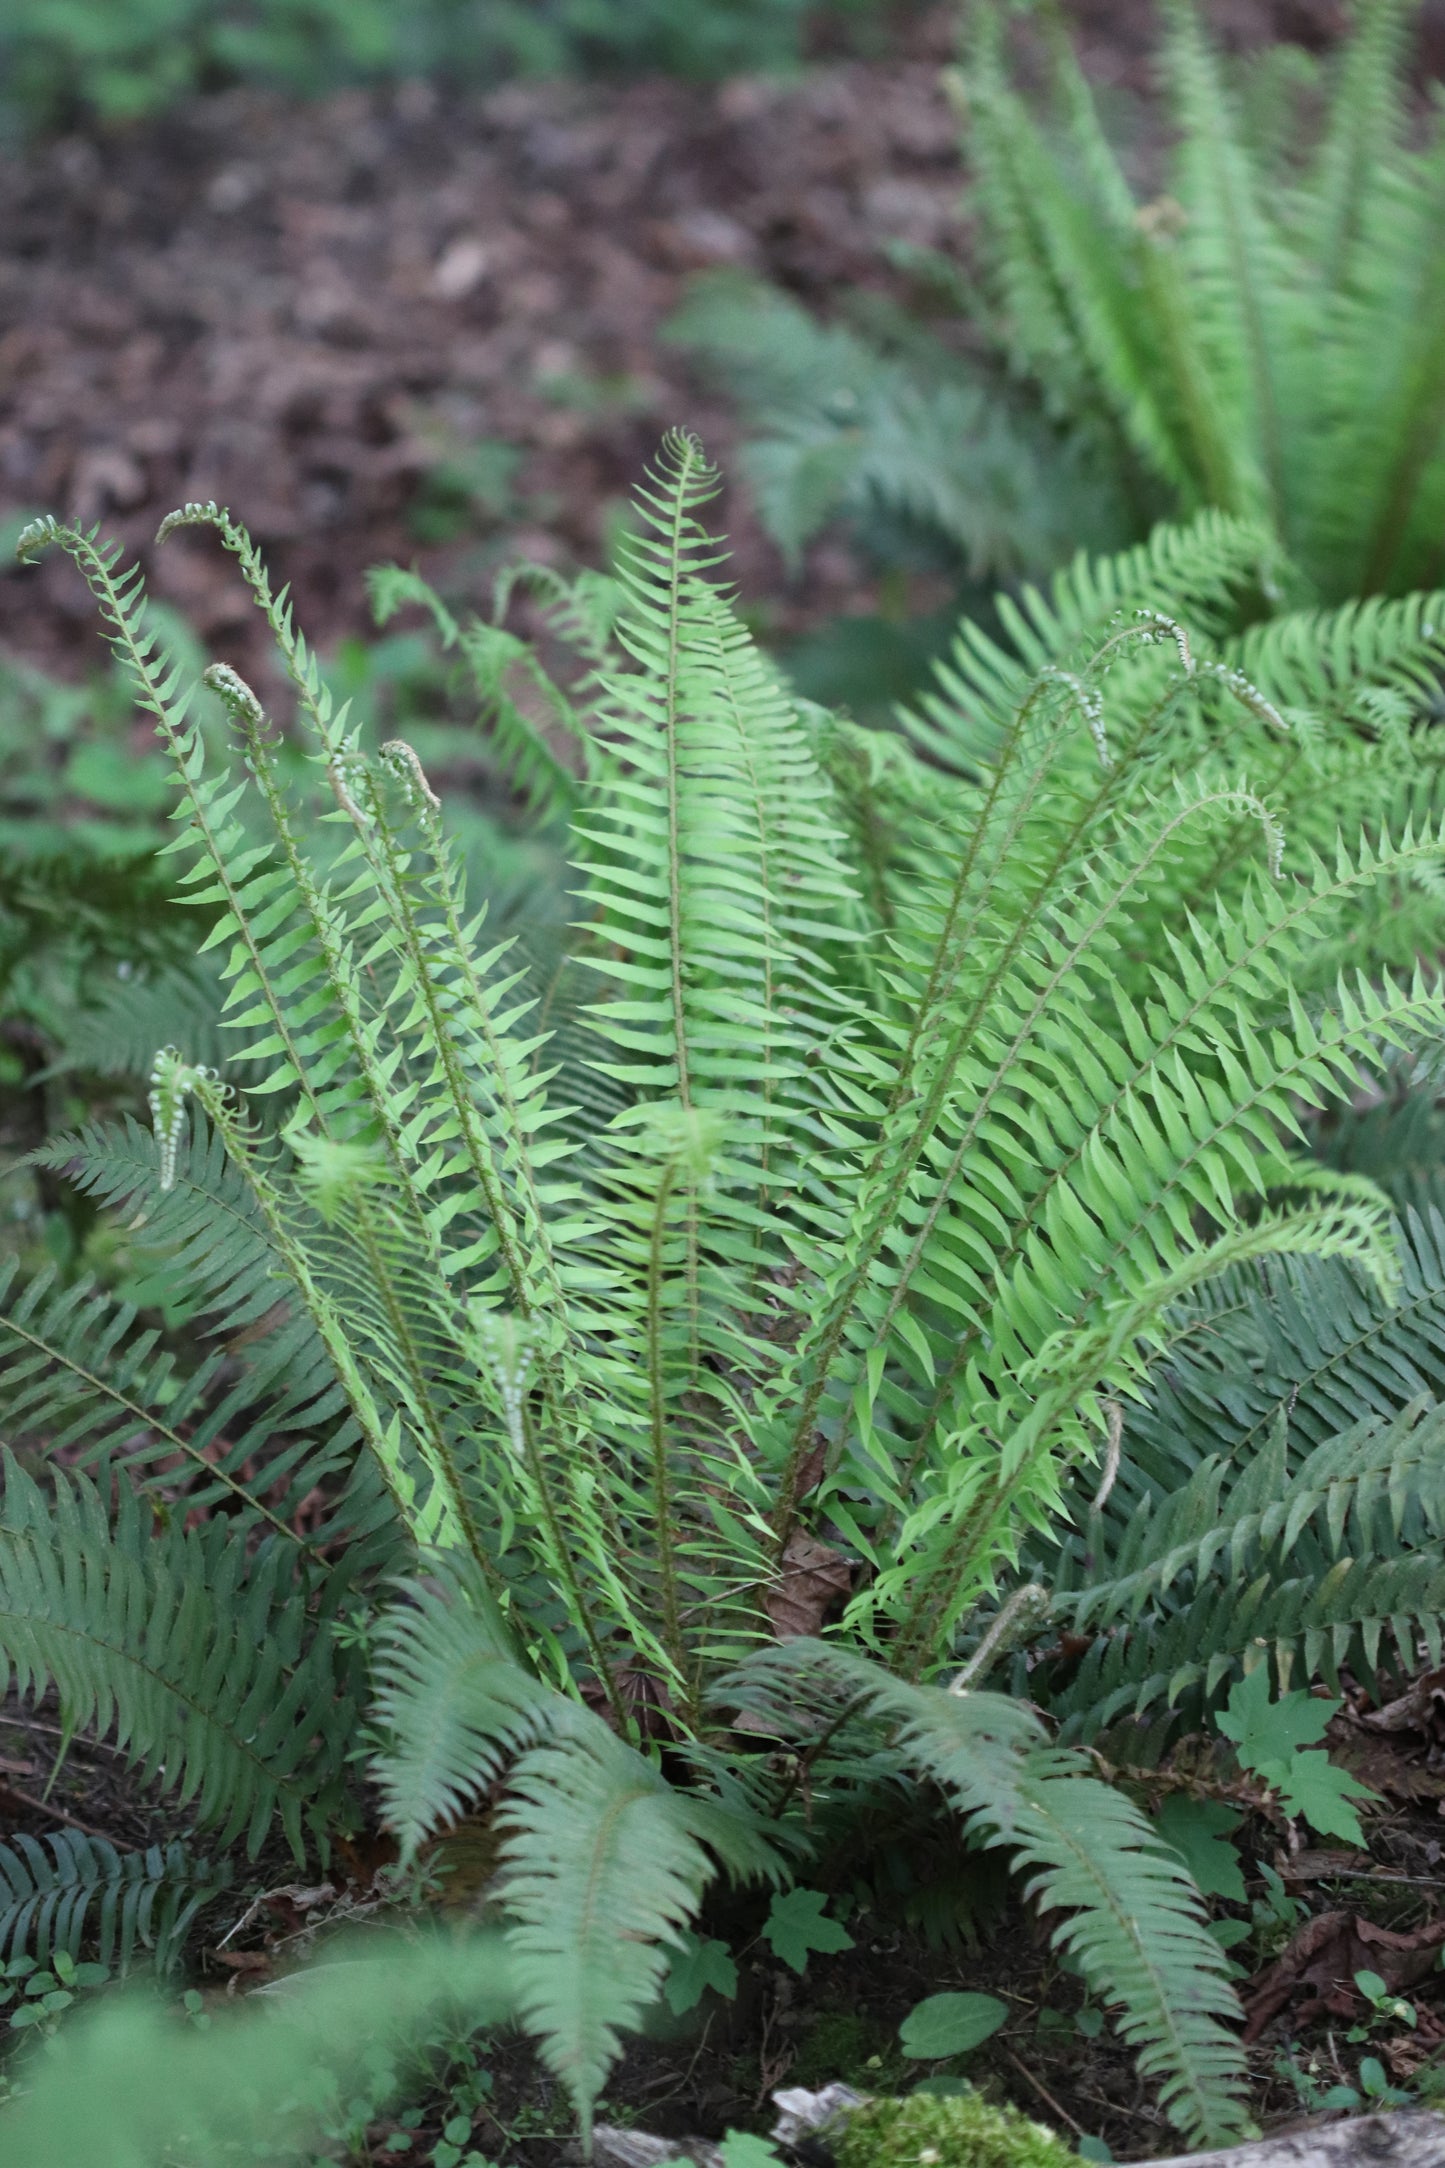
x: 922, y: 1131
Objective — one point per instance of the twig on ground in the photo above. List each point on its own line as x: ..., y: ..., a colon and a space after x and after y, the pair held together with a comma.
x: 1044, y: 2094
x: 59, y: 1814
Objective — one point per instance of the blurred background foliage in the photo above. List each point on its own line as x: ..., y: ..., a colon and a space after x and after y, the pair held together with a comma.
x: 62, y: 61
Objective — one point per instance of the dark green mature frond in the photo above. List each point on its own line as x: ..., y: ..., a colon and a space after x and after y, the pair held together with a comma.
x: 452, y: 1702
x: 1133, y: 1921
x: 1397, y: 1141
x: 1255, y: 1505
x: 74, y: 1370
x: 116, y: 1031
x: 921, y: 437
x: 605, y: 1864
x: 87, y: 1898
x: 1335, y: 1611
x: 259, y: 1424
x: 197, y: 1655
x: 1319, y: 1341
x: 1355, y: 1492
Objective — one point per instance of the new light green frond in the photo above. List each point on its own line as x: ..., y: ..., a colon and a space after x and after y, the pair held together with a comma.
x: 1187, y: 575
x: 1266, y: 335
x: 521, y: 704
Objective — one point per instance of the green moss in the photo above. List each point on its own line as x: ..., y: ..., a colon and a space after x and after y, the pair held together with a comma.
x: 960, y: 2131
x: 839, y: 2044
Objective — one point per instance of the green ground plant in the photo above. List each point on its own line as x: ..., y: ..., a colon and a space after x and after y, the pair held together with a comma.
x: 933, y: 1088
x: 1263, y: 332
x: 63, y: 60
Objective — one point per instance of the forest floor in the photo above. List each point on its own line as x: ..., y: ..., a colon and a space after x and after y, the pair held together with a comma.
x: 924, y: 1918
x: 404, y: 325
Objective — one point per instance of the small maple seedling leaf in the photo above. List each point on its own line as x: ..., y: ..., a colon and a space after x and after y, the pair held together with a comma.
x: 1268, y: 1736
x: 796, y: 1927
x: 1199, y: 1830
x: 1311, y: 1785
x: 700, y: 1964
x: 1265, y: 1730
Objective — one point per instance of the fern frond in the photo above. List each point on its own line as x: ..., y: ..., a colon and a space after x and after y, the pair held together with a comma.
x: 73, y: 1369
x: 605, y: 1865
x: 88, y: 1896
x: 1358, y: 1486
x: 452, y: 1702
x: 1134, y: 1925
x: 519, y: 699
x: 193, y: 1654
x: 918, y: 437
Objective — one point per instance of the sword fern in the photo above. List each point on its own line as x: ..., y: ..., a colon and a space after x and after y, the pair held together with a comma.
x: 916, y: 1150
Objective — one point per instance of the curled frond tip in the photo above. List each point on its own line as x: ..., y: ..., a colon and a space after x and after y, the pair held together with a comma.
x: 37, y: 536
x: 209, y: 514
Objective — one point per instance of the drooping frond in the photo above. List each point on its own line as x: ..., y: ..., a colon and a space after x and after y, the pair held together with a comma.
x: 452, y: 1703
x: 605, y: 1865
x: 1133, y: 1922
x: 197, y: 1656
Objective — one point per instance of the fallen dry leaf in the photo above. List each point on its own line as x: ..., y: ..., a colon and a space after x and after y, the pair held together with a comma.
x: 1420, y: 1708
x: 813, y: 1578
x: 1399, y: 1749
x: 256, y: 1961
x: 1320, y: 1962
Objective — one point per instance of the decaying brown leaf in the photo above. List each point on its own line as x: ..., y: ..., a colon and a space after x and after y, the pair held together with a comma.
x: 1321, y: 1960
x: 812, y: 1579
x: 1398, y: 1749
x: 1421, y: 1708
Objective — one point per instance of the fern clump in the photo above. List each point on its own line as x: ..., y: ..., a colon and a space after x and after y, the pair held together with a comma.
x: 555, y: 1368
x: 956, y: 2130
x: 1264, y: 335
